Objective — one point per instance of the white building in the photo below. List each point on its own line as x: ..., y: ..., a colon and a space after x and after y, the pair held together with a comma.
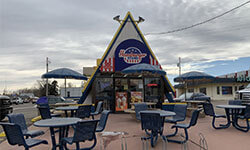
x: 73, y: 92
x: 221, y: 88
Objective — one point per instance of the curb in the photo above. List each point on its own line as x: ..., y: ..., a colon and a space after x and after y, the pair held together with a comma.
x: 2, y: 134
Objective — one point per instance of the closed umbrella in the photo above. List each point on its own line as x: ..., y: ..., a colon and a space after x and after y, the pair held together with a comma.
x: 64, y: 73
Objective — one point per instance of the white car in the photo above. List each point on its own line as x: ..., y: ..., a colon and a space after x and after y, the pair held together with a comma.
x: 17, y: 100
x: 34, y: 99
x: 244, y: 94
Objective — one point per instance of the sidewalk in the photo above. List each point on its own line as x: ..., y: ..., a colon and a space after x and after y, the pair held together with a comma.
x: 229, y: 139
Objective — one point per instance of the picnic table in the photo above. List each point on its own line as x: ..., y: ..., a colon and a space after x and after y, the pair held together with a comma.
x: 232, y: 112
x: 57, y: 122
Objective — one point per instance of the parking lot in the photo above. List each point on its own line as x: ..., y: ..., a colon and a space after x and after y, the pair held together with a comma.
x: 28, y: 109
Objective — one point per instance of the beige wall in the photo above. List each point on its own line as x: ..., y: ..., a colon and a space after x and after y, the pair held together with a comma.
x: 211, y: 90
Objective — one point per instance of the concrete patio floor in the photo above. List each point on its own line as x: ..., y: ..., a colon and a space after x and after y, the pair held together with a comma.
x: 229, y: 138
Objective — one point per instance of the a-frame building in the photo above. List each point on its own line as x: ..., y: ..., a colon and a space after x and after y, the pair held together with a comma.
x: 128, y: 47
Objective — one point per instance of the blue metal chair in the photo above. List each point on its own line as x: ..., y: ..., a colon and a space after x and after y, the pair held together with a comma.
x: 103, y: 121
x: 15, y: 136
x: 153, y: 124
x: 209, y: 110
x: 236, y: 102
x: 84, y: 130
x: 192, y: 122
x: 140, y: 107
x: 180, y: 111
x: 83, y: 111
x: 45, y: 111
x: 20, y: 120
x: 98, y: 109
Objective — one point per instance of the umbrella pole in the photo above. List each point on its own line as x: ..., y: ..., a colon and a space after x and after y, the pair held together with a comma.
x: 65, y: 87
x: 185, y: 90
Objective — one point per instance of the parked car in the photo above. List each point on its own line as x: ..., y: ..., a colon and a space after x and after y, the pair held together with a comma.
x: 17, y: 100
x: 5, y: 106
x: 26, y: 100
x: 34, y: 99
x: 193, y: 96
x: 244, y: 95
x: 58, y: 99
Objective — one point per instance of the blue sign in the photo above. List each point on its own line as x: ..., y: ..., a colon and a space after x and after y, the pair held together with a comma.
x: 130, y: 52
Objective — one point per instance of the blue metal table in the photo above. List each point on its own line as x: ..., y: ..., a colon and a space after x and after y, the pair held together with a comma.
x: 162, y: 113
x: 154, y: 134
x: 57, y: 122
x: 68, y: 108
x: 232, y: 112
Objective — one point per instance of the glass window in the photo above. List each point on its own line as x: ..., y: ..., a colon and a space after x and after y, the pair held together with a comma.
x: 226, y: 90
x: 152, y: 88
x: 235, y: 88
x: 104, y: 87
x: 121, y: 85
x: 136, y: 85
x: 203, y: 90
x: 218, y: 90
x: 241, y: 87
x: 190, y: 90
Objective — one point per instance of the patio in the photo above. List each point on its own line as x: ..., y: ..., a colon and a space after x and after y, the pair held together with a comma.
x: 216, y: 139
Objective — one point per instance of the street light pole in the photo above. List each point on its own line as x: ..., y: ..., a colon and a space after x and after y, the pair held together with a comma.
x: 47, y: 70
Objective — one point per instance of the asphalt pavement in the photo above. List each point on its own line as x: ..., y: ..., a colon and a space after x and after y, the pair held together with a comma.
x: 28, y: 109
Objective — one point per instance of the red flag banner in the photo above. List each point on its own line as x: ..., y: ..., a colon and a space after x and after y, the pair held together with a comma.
x: 154, y: 62
x: 108, y: 65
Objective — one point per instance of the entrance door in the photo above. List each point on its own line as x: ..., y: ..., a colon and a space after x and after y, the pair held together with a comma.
x: 121, y: 94
x: 152, y: 90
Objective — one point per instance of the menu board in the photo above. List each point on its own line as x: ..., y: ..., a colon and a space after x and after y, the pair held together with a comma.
x: 121, y: 101
x: 136, y: 97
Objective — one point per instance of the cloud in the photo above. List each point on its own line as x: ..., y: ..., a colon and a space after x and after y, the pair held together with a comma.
x: 75, y: 33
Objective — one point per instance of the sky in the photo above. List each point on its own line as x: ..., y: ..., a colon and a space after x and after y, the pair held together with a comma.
x: 75, y: 33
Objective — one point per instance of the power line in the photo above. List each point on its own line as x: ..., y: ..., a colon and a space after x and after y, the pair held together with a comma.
x: 200, y: 23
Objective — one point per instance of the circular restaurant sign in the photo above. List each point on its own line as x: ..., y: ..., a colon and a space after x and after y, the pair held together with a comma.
x: 130, y: 52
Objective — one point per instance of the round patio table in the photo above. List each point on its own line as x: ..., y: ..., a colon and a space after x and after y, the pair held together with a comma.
x: 162, y: 113
x: 57, y: 122
x: 68, y: 108
x: 154, y: 134
x: 232, y: 112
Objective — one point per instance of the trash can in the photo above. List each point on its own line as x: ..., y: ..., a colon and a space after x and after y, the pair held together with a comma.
x: 5, y: 106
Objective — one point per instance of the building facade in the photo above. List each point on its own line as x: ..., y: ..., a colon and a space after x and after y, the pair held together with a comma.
x: 119, y: 90
x: 221, y: 88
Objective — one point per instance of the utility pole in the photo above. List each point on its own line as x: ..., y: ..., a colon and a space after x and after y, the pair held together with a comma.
x: 47, y: 70
x: 179, y: 65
